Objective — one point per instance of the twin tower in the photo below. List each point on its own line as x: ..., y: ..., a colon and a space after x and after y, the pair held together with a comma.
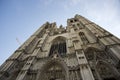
x: 81, y: 51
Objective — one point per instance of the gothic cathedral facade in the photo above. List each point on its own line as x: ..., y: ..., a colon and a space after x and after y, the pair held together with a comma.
x: 81, y: 51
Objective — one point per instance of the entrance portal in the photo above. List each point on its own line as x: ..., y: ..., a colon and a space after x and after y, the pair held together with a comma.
x: 53, y: 72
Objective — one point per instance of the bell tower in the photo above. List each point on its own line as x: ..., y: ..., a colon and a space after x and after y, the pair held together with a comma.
x: 80, y: 51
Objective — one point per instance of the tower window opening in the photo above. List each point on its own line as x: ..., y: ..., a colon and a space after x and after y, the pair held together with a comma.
x: 83, y: 38
x: 78, y: 24
x: 71, y: 21
x: 46, y: 27
x: 75, y: 20
x: 82, y: 57
x: 73, y: 25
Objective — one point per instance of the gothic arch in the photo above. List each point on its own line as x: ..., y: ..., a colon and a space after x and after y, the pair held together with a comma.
x: 90, y: 53
x: 58, y: 38
x: 93, y: 55
x: 50, y: 63
x: 96, y: 54
x: 101, y: 68
x: 107, y: 71
x: 91, y: 48
x: 58, y: 44
x: 83, y: 37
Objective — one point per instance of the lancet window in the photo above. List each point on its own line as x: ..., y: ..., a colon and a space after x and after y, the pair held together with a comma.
x: 59, y: 45
x: 83, y: 38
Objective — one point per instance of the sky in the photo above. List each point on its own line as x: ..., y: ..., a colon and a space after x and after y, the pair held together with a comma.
x: 19, y: 19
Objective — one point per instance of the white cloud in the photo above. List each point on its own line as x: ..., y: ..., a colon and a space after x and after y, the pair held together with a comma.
x: 103, y: 12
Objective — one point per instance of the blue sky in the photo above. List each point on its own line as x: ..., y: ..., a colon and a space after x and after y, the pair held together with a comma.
x: 21, y: 18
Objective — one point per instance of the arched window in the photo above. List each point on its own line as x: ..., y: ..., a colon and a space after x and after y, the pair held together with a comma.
x: 83, y: 38
x: 59, y: 45
x: 80, y: 25
x: 92, y: 53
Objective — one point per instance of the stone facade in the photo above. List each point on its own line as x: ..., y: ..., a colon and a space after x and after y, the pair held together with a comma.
x: 81, y: 51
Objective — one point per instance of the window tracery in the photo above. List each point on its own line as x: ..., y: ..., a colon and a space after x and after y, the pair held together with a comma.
x: 104, y: 70
x: 59, y: 45
x: 83, y: 38
x: 54, y: 72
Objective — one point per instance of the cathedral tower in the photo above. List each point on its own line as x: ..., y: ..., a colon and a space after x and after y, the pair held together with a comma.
x: 81, y: 51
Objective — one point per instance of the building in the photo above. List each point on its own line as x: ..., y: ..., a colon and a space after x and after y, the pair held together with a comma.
x: 81, y: 51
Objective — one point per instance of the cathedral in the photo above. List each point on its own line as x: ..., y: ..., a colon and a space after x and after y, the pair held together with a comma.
x: 80, y: 51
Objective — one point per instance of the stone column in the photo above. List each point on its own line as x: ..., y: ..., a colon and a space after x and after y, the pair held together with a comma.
x: 77, y: 75
x: 43, y: 40
x: 26, y: 67
x: 85, y: 70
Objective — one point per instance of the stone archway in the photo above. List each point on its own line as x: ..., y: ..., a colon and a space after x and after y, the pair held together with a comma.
x: 54, y: 69
x: 107, y: 71
x: 101, y: 68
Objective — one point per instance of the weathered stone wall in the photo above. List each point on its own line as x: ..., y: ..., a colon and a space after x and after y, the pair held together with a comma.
x: 90, y: 52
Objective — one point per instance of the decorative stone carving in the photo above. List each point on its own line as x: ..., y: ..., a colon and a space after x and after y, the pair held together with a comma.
x: 81, y: 51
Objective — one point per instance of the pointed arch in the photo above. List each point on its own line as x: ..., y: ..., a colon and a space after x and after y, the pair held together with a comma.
x: 59, y: 38
x: 59, y: 45
x: 91, y: 48
x: 107, y: 71
x: 52, y: 65
x: 90, y: 53
x: 98, y: 61
x: 83, y: 37
x: 95, y: 53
